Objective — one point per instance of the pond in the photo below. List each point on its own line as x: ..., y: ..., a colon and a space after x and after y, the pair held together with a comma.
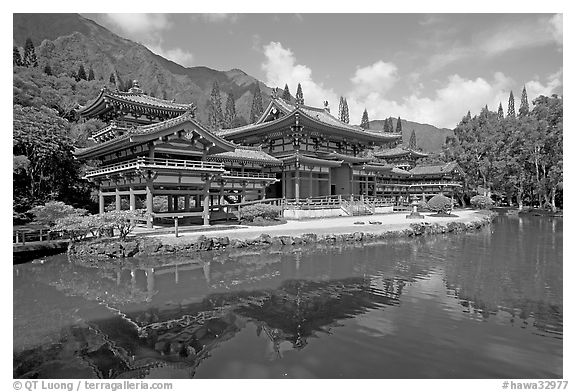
x: 476, y: 305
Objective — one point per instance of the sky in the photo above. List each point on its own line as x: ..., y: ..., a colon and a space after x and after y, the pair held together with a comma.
x: 429, y: 68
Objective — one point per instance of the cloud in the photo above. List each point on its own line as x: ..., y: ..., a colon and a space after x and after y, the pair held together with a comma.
x: 502, y: 39
x: 552, y: 85
x: 379, y: 77
x: 443, y: 108
x: 216, y: 17
x: 281, y: 67
x: 139, y: 24
x: 178, y: 55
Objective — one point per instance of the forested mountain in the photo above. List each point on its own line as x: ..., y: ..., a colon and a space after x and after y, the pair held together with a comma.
x: 65, y: 41
x: 428, y: 137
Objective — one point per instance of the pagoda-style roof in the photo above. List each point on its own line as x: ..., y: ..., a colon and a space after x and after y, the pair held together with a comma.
x: 244, y: 154
x: 346, y: 158
x: 188, y: 127
x: 280, y: 113
x: 383, y: 168
x: 133, y: 100
x: 434, y: 170
x: 399, y: 152
x: 304, y: 159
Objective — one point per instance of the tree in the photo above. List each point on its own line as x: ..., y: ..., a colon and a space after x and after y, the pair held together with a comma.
x: 48, y: 70
x: 439, y: 204
x: 341, y: 108
x: 345, y: 112
x: 215, y: 115
x: 511, y: 110
x: 286, y: 94
x: 500, y: 111
x: 230, y: 114
x: 365, y: 123
x: 524, y: 107
x: 81, y: 73
x: 299, y: 95
x: 257, y: 108
x: 91, y: 74
x: 30, y: 59
x: 412, y: 145
x: 16, y: 58
x: 49, y: 213
x: 112, y: 79
x: 399, y: 126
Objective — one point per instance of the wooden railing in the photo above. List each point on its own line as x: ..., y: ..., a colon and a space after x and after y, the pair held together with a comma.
x: 22, y: 235
x: 235, y: 173
x: 158, y: 163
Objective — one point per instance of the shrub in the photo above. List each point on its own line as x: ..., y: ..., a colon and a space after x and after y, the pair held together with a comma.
x: 264, y: 211
x: 481, y: 202
x: 76, y: 226
x: 49, y: 213
x: 439, y: 204
x: 123, y: 221
x: 422, y: 205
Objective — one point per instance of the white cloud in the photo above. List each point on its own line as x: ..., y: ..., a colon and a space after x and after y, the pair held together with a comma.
x: 378, y: 77
x: 139, y: 24
x: 502, y: 39
x: 281, y: 68
x: 177, y: 55
x: 552, y: 85
x: 216, y: 17
x: 444, y: 108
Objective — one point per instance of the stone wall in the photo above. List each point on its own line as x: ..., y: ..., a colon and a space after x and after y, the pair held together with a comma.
x: 148, y: 246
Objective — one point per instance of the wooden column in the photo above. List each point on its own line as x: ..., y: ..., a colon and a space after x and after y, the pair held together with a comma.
x: 310, y: 184
x: 170, y: 206
x: 132, y: 199
x: 100, y: 201
x: 187, y: 202
x: 176, y: 206
x: 206, y: 207
x: 149, y: 203
x: 243, y: 193
x: 283, y: 184
x: 297, y: 184
x: 118, y: 200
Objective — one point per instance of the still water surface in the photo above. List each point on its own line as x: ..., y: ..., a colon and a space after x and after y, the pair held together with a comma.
x: 476, y: 305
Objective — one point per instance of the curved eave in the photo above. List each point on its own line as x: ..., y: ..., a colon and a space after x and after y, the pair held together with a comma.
x: 249, y: 130
x: 345, y: 131
x: 303, y: 159
x: 345, y: 158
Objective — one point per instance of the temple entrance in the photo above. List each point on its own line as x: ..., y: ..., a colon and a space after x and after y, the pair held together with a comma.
x: 341, y: 180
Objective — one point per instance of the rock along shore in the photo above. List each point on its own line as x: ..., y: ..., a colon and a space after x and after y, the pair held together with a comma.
x: 108, y: 248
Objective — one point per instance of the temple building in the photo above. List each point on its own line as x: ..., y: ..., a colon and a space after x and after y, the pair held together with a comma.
x: 156, y: 147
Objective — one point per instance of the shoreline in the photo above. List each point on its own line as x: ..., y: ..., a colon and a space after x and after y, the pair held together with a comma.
x: 320, y: 231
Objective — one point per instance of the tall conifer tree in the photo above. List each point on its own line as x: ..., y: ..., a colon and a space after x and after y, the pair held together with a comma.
x: 365, y: 123
x: 16, y: 58
x: 500, y: 111
x: 286, y: 93
x: 215, y: 116
x: 399, y: 126
x: 230, y: 114
x: 47, y: 69
x: 345, y: 112
x: 340, y: 108
x: 511, y: 110
x: 91, y: 74
x: 386, y: 126
x: 30, y: 59
x: 299, y: 95
x: 257, y: 107
x: 112, y: 79
x: 524, y: 107
x: 412, y: 144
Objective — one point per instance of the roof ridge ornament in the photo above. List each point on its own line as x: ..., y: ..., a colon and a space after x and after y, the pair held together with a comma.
x: 135, y: 89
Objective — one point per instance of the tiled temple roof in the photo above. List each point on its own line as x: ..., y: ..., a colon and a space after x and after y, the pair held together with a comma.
x: 243, y: 154
x: 399, y: 152
x: 318, y: 115
x: 135, y: 98
x: 436, y: 169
